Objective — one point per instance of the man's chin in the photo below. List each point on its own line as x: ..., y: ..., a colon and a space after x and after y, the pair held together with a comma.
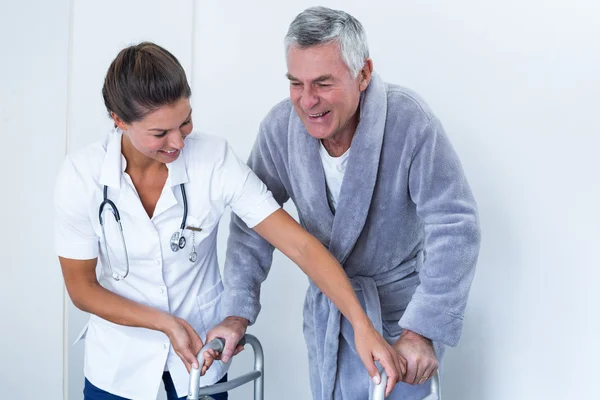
x: 318, y: 133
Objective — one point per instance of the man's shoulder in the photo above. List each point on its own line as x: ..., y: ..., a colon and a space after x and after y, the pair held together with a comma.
x: 274, y: 126
x: 411, y: 103
x: 279, y: 114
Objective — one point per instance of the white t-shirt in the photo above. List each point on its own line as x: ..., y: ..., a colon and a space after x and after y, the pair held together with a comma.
x: 128, y: 361
x: 334, y: 168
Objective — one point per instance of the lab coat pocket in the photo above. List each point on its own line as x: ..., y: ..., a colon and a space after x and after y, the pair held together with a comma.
x: 199, y: 236
x: 394, y: 298
x: 209, y: 306
x: 108, y: 349
x: 202, y: 225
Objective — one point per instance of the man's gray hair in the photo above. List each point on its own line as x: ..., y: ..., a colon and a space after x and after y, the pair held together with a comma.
x: 321, y: 25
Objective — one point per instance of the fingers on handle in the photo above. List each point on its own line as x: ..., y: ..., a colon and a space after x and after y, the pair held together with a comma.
x: 209, y: 357
x: 390, y: 364
x: 401, y: 370
x: 430, y: 370
x: 190, y: 358
x: 183, y: 358
x: 411, y: 373
x: 228, y: 350
x: 238, y: 349
x: 372, y: 370
x: 403, y: 367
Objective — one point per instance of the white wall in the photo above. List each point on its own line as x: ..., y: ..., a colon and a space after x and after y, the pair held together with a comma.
x: 100, y: 30
x: 33, y: 109
x: 515, y: 84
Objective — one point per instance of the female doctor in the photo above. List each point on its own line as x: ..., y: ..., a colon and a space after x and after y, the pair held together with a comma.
x: 146, y: 201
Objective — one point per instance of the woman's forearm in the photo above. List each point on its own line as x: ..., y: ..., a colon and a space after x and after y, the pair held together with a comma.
x: 89, y: 296
x: 119, y: 310
x: 283, y: 232
x: 325, y: 271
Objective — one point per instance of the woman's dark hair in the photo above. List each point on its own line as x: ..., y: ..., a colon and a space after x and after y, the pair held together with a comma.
x: 141, y: 79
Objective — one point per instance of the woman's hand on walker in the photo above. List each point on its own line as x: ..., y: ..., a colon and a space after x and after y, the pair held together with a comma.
x: 186, y: 343
x: 371, y: 347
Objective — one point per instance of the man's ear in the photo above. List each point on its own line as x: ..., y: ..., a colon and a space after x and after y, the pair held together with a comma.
x: 365, y: 74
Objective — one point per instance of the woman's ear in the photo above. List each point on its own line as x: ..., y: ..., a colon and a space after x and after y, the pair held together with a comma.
x: 119, y: 123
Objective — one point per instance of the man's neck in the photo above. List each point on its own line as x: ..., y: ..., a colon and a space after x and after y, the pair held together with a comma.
x: 340, y: 142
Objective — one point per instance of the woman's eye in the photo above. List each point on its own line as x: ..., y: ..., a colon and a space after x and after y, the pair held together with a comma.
x: 161, y: 134
x: 186, y: 122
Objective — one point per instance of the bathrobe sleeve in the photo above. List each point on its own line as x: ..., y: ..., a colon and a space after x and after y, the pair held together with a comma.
x: 445, y: 204
x: 249, y: 256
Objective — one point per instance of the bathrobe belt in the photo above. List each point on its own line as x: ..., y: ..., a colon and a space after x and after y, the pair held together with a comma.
x: 321, y: 309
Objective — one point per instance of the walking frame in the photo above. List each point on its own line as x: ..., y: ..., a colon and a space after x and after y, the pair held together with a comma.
x: 195, y: 392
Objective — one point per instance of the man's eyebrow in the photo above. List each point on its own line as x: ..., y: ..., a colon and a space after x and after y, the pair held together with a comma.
x: 316, y: 80
x: 323, y: 78
x: 162, y: 130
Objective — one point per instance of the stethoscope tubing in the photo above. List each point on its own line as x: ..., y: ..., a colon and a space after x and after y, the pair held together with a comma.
x: 115, y: 211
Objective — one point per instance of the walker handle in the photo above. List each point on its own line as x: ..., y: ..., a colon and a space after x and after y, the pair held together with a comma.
x: 256, y: 375
x: 379, y: 390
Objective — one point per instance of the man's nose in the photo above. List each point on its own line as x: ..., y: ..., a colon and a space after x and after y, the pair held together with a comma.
x: 309, y: 98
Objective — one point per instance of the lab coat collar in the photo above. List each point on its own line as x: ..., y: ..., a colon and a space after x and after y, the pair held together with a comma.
x: 114, y: 164
x: 178, y: 170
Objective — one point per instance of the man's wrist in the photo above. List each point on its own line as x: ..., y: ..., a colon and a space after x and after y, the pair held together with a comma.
x: 241, y: 320
x: 411, y: 334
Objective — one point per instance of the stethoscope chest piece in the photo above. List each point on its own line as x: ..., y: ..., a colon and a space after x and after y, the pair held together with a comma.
x: 177, y: 241
x: 193, y: 255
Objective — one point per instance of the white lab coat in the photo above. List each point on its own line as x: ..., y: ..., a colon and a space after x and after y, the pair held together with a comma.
x: 128, y: 361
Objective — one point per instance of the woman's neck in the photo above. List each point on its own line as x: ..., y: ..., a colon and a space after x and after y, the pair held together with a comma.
x: 138, y: 163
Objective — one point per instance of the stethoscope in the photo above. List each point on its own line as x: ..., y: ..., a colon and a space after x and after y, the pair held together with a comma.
x: 177, y: 241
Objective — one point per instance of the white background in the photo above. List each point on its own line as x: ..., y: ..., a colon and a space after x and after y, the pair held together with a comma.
x: 515, y: 84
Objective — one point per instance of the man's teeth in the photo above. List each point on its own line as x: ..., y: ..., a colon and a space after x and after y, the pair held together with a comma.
x: 317, y: 115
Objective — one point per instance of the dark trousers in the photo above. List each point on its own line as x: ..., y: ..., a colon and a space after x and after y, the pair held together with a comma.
x: 91, y: 392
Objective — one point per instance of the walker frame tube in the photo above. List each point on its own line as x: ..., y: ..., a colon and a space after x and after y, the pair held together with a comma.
x: 257, y: 375
x: 435, y: 394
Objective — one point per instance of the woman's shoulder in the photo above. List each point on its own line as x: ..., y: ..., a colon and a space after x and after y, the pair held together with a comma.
x: 90, y: 155
x: 88, y: 160
x: 202, y: 139
x: 205, y: 147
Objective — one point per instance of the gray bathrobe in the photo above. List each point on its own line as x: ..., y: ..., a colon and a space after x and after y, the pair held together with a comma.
x: 405, y: 230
